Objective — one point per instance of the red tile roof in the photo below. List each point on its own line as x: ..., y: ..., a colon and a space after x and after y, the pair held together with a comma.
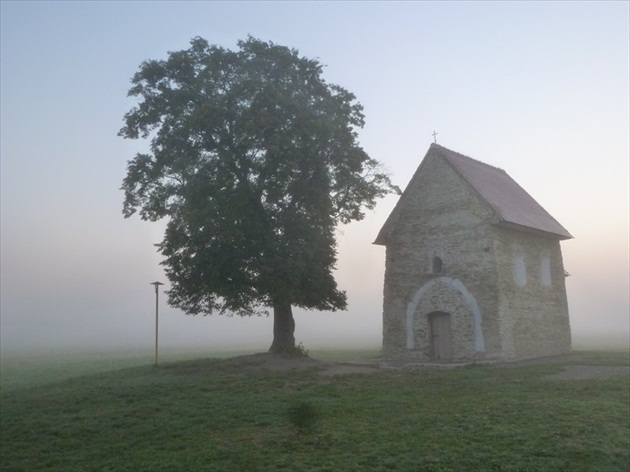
x: 510, y: 202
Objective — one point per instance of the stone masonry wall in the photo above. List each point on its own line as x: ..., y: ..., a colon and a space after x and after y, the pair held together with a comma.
x: 533, y: 310
x: 442, y: 217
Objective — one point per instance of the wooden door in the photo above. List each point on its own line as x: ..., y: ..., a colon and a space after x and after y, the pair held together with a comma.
x: 440, y: 332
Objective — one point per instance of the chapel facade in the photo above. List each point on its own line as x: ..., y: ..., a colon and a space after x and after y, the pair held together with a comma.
x: 473, y: 267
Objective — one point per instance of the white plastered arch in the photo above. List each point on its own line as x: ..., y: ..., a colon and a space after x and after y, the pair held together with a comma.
x: 468, y: 298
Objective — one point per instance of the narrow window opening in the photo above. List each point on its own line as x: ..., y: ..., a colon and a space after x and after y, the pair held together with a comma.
x: 437, y: 265
x: 545, y: 270
x: 518, y: 268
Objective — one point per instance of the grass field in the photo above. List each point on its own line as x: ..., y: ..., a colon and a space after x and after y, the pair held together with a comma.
x: 199, y: 415
x: 27, y: 369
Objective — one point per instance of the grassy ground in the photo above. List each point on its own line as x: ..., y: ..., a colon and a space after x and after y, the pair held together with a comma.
x: 200, y: 416
x: 27, y: 369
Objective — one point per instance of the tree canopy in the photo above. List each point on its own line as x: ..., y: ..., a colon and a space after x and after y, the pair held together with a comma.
x: 254, y: 161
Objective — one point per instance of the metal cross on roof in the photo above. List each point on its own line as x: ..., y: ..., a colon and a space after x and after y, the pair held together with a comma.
x: 434, y: 136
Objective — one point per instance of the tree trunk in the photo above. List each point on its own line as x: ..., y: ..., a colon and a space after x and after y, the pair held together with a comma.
x: 283, y: 328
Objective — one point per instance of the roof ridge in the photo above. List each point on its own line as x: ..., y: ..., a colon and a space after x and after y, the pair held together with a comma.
x: 503, y: 208
x: 460, y: 155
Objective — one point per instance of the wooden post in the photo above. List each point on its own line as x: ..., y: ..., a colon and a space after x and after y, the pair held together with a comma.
x: 157, y: 284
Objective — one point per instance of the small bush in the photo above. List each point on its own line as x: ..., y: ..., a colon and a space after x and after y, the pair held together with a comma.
x: 303, y: 416
x: 297, y: 351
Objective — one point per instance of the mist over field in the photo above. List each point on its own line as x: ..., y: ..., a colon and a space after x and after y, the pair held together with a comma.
x: 537, y: 89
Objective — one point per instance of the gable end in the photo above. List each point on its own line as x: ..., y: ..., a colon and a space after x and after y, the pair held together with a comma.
x: 511, y: 204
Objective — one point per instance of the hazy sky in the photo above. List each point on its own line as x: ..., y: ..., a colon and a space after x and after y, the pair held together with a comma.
x: 540, y: 89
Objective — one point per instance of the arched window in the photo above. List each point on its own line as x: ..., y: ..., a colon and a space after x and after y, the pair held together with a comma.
x: 437, y: 265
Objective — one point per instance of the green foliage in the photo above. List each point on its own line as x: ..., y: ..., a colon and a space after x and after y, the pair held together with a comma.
x: 198, y: 416
x: 297, y: 351
x: 254, y: 161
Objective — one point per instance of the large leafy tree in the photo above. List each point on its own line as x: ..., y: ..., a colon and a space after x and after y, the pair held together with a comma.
x: 254, y: 160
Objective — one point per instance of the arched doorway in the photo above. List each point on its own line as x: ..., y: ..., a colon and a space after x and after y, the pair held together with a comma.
x: 440, y: 337
x: 466, y: 313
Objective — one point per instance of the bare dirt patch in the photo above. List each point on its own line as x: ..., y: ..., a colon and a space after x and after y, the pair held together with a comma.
x: 580, y: 372
x: 268, y: 361
x: 346, y: 369
x: 271, y: 362
x: 578, y: 366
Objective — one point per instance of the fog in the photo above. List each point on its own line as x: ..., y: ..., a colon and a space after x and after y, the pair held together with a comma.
x: 540, y: 90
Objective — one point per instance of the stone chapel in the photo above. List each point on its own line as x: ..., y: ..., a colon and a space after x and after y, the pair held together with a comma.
x: 473, y: 267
